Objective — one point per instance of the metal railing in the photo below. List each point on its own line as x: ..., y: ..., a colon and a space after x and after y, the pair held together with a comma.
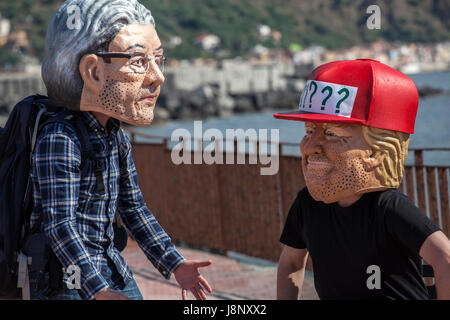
x: 233, y: 207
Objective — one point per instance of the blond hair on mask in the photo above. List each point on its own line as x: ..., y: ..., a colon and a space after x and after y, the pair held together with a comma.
x: 393, y: 146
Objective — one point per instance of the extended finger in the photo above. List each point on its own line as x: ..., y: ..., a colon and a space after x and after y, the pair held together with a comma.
x: 184, y: 294
x: 201, y: 292
x: 200, y: 264
x: 205, y: 284
x: 196, y: 294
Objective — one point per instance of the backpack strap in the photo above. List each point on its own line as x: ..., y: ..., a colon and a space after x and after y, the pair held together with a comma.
x: 121, y: 141
x: 41, y: 112
x: 79, y: 127
x: 87, y: 153
x: 43, y: 104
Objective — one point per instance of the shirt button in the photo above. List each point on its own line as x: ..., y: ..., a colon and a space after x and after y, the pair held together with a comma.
x: 110, y: 143
x: 109, y: 209
x: 110, y: 186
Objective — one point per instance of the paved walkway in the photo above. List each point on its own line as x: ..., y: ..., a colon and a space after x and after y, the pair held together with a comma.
x: 232, y: 278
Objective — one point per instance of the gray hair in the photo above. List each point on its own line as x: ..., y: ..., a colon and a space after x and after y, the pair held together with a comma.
x: 80, y: 27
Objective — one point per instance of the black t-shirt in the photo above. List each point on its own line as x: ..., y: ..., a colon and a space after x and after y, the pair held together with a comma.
x: 382, y: 229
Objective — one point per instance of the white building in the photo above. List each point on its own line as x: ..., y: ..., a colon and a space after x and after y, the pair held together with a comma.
x: 264, y: 31
x: 207, y: 41
x: 5, y: 27
x: 175, y: 41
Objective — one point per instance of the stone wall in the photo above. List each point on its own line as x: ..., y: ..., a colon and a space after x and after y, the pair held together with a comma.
x: 14, y: 87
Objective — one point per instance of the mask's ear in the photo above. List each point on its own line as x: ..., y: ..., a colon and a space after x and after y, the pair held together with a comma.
x: 91, y: 70
x: 374, y: 160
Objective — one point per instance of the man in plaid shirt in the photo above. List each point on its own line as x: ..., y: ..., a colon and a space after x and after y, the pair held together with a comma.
x: 104, y: 61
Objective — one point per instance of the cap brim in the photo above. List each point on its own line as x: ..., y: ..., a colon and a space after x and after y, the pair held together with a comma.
x: 314, y: 117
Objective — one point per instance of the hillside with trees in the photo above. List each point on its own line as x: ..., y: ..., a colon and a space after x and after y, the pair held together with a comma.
x: 329, y: 23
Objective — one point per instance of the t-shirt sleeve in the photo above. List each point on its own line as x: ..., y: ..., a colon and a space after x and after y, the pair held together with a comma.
x: 292, y: 234
x: 408, y: 224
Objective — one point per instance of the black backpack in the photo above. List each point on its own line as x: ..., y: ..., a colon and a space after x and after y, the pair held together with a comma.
x: 17, y: 140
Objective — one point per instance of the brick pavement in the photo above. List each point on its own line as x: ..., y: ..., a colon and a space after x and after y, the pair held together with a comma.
x: 231, y: 279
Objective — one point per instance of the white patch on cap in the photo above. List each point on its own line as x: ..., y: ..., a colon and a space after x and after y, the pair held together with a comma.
x: 328, y: 98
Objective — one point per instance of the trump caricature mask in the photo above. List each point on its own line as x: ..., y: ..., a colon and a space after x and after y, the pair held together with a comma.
x: 358, y: 116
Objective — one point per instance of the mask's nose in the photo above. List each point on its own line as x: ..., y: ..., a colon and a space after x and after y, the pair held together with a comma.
x: 312, y: 144
x: 154, y: 77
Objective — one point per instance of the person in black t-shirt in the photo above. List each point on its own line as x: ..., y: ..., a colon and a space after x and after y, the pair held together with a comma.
x: 365, y: 238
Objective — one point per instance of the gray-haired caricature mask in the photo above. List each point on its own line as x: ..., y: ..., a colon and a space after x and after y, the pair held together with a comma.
x: 122, y: 88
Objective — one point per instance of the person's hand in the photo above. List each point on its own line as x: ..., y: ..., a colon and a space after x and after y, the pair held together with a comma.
x: 110, y: 294
x: 189, y: 278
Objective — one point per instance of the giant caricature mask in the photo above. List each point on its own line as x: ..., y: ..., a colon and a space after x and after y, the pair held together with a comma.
x: 337, y: 161
x: 358, y: 116
x: 122, y: 88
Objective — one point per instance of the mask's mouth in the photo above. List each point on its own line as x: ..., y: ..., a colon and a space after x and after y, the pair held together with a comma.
x: 149, y: 98
x: 318, y: 165
x: 318, y: 162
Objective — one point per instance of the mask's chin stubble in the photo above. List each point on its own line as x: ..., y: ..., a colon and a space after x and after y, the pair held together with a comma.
x: 142, y: 115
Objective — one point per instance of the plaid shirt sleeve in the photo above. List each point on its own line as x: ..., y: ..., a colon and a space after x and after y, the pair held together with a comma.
x: 148, y: 233
x: 56, y: 162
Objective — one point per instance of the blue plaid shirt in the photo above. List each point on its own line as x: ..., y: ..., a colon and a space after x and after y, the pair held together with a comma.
x: 78, y: 220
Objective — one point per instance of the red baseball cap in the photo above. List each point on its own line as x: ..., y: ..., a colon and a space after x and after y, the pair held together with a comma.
x: 361, y: 91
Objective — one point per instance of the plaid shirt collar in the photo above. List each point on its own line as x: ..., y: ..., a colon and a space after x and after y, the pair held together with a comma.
x: 112, y: 125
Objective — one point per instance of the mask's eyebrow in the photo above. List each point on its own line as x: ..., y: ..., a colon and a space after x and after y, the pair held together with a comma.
x: 158, y: 49
x: 334, y: 125
x: 135, y: 46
